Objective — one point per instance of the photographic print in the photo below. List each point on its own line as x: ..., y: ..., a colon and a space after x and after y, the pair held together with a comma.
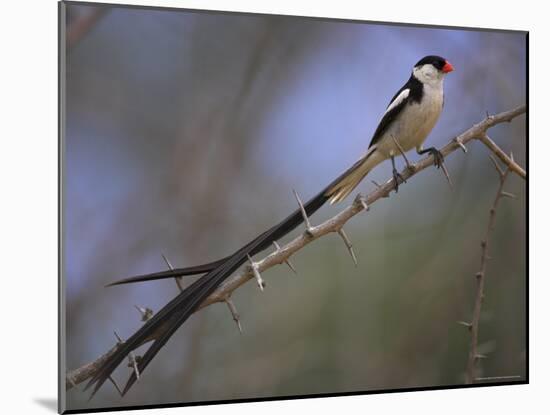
x: 272, y: 207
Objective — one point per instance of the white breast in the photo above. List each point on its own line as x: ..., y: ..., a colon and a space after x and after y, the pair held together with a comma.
x: 415, y: 122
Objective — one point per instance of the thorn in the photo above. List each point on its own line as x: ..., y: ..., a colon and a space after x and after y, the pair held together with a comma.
x: 479, y: 275
x: 291, y: 266
x: 133, y: 363
x: 379, y: 186
x: 178, y: 279
x: 234, y: 313
x: 480, y: 356
x: 348, y: 244
x: 497, y: 167
x: 146, y: 313
x: 487, y: 114
x: 465, y: 324
x: 512, y: 156
x: 167, y: 262
x: 256, y: 273
x: 287, y: 261
x: 131, y: 357
x: 461, y: 145
x: 362, y: 201
x: 309, y: 229
x: 444, y: 168
x: 401, y: 151
x: 116, y: 386
x: 138, y: 359
x: 507, y: 194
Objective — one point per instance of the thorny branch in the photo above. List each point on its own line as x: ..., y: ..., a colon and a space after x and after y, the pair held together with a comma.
x: 474, y: 356
x: 508, y: 161
x: 333, y: 225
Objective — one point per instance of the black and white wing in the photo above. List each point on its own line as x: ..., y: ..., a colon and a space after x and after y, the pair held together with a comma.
x: 411, y: 91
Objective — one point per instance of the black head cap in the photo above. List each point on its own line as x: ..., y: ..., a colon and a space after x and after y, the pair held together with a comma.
x: 437, y: 61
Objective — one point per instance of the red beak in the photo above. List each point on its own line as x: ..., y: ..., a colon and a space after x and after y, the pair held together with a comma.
x: 447, y: 67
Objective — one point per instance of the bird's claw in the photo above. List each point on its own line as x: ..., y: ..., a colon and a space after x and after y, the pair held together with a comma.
x: 438, y: 157
x: 396, y: 177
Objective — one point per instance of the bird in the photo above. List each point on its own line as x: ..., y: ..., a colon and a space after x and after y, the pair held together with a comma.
x: 406, y: 123
x: 408, y: 119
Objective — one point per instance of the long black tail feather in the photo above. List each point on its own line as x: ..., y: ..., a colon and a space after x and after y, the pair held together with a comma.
x: 174, y: 273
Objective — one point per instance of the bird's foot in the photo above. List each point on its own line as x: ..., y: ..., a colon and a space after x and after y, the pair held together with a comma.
x: 438, y: 157
x: 396, y: 178
x: 439, y: 162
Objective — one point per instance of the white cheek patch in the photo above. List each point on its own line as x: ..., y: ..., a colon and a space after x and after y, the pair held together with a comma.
x: 398, y: 100
x: 418, y: 74
x: 428, y: 74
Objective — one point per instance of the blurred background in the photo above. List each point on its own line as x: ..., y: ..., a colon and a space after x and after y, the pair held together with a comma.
x: 185, y: 135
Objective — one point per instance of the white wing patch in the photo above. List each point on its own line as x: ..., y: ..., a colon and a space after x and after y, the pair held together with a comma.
x: 398, y: 100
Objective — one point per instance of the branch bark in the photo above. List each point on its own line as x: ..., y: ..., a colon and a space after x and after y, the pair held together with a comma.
x: 474, y: 356
x: 332, y: 225
x: 86, y: 371
x: 508, y: 161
